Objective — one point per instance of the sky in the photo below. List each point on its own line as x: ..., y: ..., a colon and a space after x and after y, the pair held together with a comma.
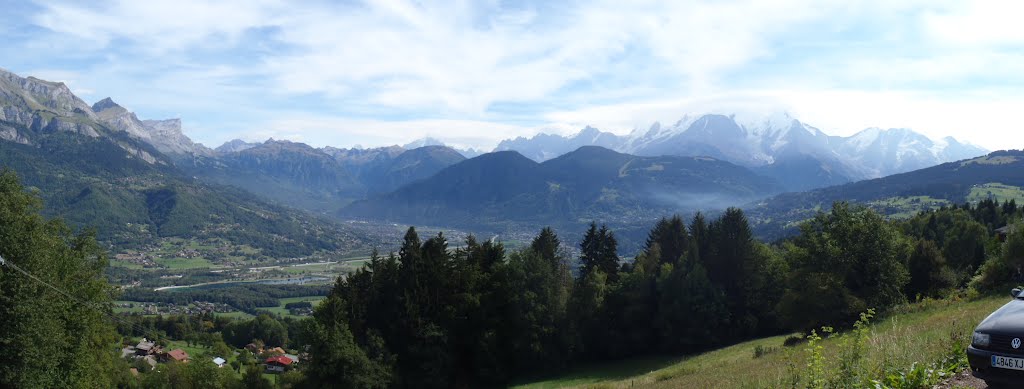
x: 472, y: 73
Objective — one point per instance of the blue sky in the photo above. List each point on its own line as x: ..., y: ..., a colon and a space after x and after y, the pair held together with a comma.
x: 344, y: 73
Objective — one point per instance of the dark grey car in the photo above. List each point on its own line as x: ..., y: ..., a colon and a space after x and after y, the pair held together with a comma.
x: 996, y: 354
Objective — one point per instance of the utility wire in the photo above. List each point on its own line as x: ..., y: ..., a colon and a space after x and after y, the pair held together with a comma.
x: 135, y: 326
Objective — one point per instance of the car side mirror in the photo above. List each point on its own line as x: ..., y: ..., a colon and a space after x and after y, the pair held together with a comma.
x: 1015, y: 292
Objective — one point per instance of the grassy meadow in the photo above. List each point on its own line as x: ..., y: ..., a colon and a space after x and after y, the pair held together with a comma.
x: 920, y: 332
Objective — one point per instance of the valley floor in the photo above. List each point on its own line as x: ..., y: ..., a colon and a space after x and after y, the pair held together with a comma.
x: 915, y: 333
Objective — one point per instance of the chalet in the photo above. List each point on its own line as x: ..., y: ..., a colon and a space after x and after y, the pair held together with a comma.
x: 176, y: 355
x: 278, y: 364
x: 294, y: 358
x: 220, y: 362
x: 145, y: 347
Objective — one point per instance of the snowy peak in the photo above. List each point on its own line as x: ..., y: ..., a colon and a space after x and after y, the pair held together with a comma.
x: 422, y: 142
x: 770, y: 142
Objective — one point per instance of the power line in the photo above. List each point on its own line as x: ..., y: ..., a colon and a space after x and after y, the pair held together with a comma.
x: 138, y: 327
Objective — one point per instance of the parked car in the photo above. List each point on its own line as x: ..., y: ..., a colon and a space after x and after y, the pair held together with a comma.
x: 996, y: 354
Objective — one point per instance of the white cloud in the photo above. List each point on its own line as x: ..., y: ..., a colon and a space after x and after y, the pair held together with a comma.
x: 450, y: 70
x: 974, y: 23
x: 158, y: 27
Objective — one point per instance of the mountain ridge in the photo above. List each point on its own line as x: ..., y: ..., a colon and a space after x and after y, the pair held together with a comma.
x: 776, y: 216
x: 759, y: 142
x: 590, y: 182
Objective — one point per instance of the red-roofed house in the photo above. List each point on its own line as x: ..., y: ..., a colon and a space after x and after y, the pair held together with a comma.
x: 277, y: 364
x: 176, y: 355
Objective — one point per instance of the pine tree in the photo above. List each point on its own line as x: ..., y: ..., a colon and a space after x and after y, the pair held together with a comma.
x: 590, y: 253
x: 671, y: 237
x: 608, y: 254
x: 546, y: 244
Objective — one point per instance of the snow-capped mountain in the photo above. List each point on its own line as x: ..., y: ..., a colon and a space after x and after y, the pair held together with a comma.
x: 887, y: 151
x: 778, y: 145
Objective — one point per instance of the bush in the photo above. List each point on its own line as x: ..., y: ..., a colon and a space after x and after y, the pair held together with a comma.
x: 298, y: 305
x: 793, y: 341
x: 760, y: 351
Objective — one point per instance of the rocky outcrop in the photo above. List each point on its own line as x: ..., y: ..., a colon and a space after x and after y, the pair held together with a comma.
x: 167, y: 136
x: 120, y: 119
x: 43, y: 106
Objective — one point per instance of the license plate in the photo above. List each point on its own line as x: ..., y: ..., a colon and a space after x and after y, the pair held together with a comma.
x: 1007, y: 362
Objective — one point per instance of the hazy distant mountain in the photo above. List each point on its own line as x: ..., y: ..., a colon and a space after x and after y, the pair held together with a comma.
x: 235, y: 145
x: 407, y: 167
x: 468, y: 152
x: 422, y: 142
x: 798, y: 155
x: 591, y: 182
x: 292, y: 173
x: 384, y: 169
x: 542, y: 147
x: 356, y: 160
x: 324, y: 179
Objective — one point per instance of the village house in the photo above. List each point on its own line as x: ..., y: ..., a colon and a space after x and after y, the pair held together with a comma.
x: 146, y: 347
x: 278, y: 364
x: 220, y: 362
x: 294, y: 358
x: 176, y: 355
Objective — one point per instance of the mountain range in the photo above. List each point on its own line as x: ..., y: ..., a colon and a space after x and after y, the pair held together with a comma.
x: 138, y: 179
x: 798, y: 155
x: 319, y: 179
x: 104, y: 168
x: 590, y: 183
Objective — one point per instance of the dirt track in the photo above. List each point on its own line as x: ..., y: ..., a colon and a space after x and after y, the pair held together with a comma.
x: 963, y: 380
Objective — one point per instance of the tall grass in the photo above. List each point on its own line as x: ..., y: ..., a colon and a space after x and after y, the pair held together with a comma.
x: 909, y: 347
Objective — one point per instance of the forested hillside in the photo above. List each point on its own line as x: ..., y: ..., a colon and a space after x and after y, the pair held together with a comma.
x: 478, y: 316
x: 95, y: 182
x: 591, y: 183
x: 951, y: 183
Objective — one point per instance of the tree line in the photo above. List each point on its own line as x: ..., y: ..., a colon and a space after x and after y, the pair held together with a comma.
x: 428, y: 316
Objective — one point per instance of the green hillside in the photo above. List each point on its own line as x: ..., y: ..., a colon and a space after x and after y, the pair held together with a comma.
x: 997, y: 176
x: 921, y: 332
x: 94, y: 182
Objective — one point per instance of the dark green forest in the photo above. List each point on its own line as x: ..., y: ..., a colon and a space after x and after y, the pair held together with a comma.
x: 477, y: 316
x: 483, y: 316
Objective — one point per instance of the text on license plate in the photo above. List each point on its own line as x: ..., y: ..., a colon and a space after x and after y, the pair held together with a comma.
x: 1007, y: 362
